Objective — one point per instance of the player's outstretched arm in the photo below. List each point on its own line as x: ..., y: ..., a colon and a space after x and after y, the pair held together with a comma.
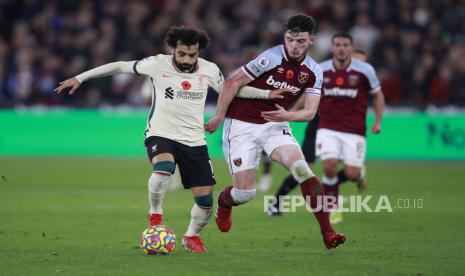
x: 230, y: 89
x: 101, y: 71
x: 301, y: 115
x: 378, y: 103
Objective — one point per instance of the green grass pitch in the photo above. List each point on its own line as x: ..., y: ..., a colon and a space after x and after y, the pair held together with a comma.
x: 83, y: 216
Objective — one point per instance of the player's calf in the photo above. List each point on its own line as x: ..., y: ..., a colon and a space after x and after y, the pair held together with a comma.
x: 157, y: 186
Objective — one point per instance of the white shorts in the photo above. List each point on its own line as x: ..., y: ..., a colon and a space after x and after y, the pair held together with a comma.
x: 244, y: 142
x: 348, y: 147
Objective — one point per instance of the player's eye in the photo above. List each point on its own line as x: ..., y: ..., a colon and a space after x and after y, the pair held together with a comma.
x: 192, y: 55
x: 181, y: 54
x: 301, y: 40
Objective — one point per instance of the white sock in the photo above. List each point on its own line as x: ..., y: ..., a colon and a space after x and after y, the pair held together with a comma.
x: 158, y: 183
x: 199, y: 219
x: 330, y: 181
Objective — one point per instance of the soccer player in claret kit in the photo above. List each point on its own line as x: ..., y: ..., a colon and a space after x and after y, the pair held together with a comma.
x: 175, y: 126
x: 342, y: 48
x: 347, y: 86
x: 253, y: 125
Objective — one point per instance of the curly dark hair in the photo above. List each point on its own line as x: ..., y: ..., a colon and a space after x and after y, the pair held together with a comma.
x: 187, y: 36
x: 301, y: 23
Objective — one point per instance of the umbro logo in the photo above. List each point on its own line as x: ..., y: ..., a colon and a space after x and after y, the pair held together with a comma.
x: 169, y: 93
x: 166, y: 76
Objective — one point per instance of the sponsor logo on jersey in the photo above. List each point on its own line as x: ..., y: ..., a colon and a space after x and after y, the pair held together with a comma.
x: 289, y: 74
x: 169, y: 93
x: 303, y: 77
x: 237, y: 162
x: 344, y: 92
x: 353, y: 80
x: 279, y: 85
x: 263, y: 62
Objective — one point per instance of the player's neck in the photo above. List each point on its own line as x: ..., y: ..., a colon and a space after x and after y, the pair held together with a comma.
x: 341, y: 64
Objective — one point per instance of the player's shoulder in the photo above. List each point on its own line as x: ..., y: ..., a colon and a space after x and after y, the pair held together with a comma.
x: 311, y: 64
x: 208, y: 67
x: 362, y: 67
x: 273, y: 55
x: 153, y: 59
x: 327, y: 65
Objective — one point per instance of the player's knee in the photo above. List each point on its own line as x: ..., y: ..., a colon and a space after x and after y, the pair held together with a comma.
x: 352, y: 174
x: 301, y: 171
x: 159, y: 180
x: 243, y: 196
x: 164, y: 167
x: 205, y: 201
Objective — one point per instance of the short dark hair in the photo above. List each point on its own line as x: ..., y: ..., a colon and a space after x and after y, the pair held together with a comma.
x: 187, y: 36
x: 359, y: 51
x: 343, y: 35
x: 301, y: 23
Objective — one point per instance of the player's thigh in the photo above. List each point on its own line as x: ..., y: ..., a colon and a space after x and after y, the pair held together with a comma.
x: 195, y: 166
x: 328, y: 144
x: 244, y: 180
x: 242, y: 147
x: 286, y: 155
x: 159, y: 149
x: 354, y: 149
x: 330, y: 167
x: 281, y: 145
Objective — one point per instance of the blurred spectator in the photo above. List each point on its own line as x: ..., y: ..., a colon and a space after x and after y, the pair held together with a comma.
x: 418, y: 47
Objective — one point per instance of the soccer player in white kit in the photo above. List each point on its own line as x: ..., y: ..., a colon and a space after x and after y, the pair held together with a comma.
x: 255, y: 125
x: 175, y: 125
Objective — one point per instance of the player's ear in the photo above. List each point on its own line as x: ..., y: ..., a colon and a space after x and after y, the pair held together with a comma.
x: 170, y: 50
x: 312, y: 39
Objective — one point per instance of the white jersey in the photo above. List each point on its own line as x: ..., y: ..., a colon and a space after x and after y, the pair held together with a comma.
x: 178, y: 99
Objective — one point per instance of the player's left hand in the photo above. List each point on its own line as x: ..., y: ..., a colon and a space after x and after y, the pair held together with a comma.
x: 376, y: 128
x: 213, y: 124
x: 279, y: 115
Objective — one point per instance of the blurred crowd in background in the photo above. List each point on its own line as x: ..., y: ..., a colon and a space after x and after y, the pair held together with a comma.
x: 417, y: 47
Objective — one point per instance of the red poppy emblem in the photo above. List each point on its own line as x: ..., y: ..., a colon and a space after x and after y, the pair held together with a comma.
x: 186, y: 85
x: 339, y: 81
x: 289, y: 74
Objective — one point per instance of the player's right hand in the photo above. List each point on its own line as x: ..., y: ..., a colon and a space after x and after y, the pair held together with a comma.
x: 213, y: 124
x: 278, y: 93
x: 72, y: 83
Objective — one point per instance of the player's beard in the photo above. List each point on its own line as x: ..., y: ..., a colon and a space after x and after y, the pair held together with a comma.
x: 184, y: 66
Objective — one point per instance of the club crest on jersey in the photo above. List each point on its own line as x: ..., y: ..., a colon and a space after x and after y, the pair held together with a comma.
x: 237, y: 162
x: 353, y: 80
x: 186, y: 85
x: 303, y: 77
x: 263, y: 62
x: 201, y: 78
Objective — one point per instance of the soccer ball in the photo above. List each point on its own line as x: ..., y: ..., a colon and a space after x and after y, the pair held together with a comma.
x: 158, y: 240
